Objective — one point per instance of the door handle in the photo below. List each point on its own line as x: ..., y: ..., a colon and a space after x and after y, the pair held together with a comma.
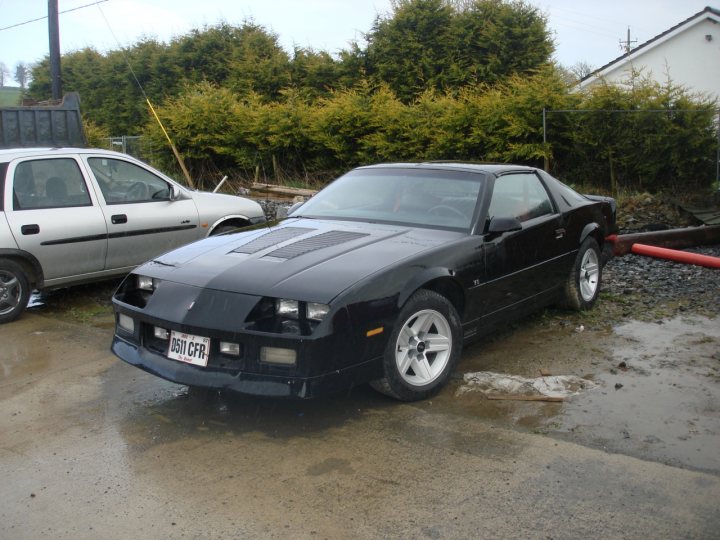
x: 559, y: 233
x: 118, y: 218
x: 30, y: 229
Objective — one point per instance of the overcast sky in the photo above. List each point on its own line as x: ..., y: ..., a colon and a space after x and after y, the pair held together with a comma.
x: 584, y: 30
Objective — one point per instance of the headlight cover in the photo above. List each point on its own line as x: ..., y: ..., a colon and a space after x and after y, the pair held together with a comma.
x: 137, y: 289
x: 287, y: 316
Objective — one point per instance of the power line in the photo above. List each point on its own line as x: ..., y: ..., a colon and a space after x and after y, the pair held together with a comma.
x: 45, y: 16
x: 147, y: 100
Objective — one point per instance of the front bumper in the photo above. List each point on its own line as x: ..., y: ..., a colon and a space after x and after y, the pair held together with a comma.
x: 332, y: 357
x: 260, y: 384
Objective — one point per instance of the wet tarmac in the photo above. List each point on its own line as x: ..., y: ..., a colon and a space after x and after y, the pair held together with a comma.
x: 93, y: 448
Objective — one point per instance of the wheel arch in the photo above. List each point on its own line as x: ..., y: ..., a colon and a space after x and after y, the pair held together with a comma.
x: 28, y: 262
x: 594, y: 231
x: 439, y: 280
x: 234, y: 220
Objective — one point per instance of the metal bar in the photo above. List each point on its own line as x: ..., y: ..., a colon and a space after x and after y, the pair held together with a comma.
x: 673, y: 238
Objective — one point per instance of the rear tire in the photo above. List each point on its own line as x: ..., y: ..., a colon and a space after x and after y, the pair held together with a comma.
x: 583, y: 284
x: 422, y: 350
x: 14, y: 290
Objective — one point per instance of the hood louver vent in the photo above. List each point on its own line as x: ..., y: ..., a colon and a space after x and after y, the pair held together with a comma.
x: 320, y: 241
x: 272, y: 238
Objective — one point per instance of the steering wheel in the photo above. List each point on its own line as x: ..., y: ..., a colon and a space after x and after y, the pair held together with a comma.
x: 440, y: 209
x: 137, y: 192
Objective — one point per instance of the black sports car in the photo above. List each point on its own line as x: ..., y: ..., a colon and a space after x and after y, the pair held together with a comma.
x: 379, y: 278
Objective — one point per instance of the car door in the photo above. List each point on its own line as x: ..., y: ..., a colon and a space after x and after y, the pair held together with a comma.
x: 141, y: 218
x: 55, y: 216
x: 523, y: 264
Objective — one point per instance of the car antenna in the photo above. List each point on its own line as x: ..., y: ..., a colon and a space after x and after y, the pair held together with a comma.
x: 267, y: 197
x: 174, y: 149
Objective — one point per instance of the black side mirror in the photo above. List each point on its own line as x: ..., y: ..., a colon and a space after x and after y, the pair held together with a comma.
x: 499, y: 225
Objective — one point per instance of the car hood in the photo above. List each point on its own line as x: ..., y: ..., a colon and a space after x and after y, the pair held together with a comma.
x: 303, y: 259
x: 211, y: 206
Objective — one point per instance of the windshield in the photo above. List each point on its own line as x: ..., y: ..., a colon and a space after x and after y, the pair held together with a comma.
x: 418, y: 197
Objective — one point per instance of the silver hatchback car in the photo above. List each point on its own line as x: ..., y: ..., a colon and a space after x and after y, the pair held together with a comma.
x: 70, y: 215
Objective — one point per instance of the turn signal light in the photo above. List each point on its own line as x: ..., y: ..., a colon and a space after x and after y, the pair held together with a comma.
x: 126, y: 323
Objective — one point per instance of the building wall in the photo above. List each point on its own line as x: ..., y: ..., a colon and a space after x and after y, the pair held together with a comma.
x: 688, y: 57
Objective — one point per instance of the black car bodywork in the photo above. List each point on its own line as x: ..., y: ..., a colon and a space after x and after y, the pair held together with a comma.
x: 363, y: 274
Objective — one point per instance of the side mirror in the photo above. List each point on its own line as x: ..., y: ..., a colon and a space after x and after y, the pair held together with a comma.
x: 295, y: 207
x: 175, y: 193
x: 503, y: 225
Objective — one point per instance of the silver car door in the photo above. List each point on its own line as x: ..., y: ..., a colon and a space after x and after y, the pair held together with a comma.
x: 54, y: 216
x: 141, y: 218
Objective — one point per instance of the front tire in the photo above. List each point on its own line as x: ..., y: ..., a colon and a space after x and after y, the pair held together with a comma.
x: 583, y: 284
x: 422, y: 350
x: 14, y: 290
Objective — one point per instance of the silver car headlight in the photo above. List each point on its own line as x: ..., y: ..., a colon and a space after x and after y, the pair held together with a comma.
x: 286, y: 316
x: 316, y: 312
x: 292, y: 309
x: 146, y: 283
x: 136, y: 290
x: 287, y: 308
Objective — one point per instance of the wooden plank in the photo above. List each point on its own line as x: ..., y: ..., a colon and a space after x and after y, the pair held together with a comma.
x: 283, y: 190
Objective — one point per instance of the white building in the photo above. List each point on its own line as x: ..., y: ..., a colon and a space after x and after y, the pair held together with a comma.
x: 688, y: 53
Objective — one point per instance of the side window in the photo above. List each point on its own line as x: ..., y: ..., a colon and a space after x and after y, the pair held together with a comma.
x: 3, y: 172
x: 520, y: 196
x: 49, y: 183
x: 124, y: 182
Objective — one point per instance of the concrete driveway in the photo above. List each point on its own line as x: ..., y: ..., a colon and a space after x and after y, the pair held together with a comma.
x: 93, y: 448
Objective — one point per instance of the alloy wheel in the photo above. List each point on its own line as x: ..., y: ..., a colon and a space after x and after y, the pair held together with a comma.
x: 423, y: 348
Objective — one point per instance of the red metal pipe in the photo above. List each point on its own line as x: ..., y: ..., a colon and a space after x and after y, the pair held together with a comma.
x: 675, y: 255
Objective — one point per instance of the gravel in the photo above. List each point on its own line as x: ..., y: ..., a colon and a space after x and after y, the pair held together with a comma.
x: 646, y: 283
x: 274, y: 209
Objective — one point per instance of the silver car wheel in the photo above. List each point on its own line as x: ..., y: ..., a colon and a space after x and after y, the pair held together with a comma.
x: 10, y: 292
x: 423, y: 347
x: 589, y: 275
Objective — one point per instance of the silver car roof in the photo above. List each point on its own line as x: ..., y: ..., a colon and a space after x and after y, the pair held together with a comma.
x: 7, y: 154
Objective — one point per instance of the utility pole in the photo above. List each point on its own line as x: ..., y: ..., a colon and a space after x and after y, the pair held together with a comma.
x: 626, y: 45
x: 54, y: 36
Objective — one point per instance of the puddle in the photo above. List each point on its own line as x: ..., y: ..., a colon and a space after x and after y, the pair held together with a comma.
x: 656, y: 391
x: 660, y: 400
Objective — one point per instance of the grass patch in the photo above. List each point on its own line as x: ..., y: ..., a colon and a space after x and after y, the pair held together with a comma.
x: 10, y: 96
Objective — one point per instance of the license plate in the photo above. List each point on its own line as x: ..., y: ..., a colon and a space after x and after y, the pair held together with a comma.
x: 189, y: 348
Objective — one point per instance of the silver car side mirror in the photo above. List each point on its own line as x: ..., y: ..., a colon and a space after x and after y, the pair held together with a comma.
x: 295, y: 207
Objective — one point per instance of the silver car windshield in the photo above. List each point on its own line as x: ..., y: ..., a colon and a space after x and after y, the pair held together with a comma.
x: 420, y: 197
